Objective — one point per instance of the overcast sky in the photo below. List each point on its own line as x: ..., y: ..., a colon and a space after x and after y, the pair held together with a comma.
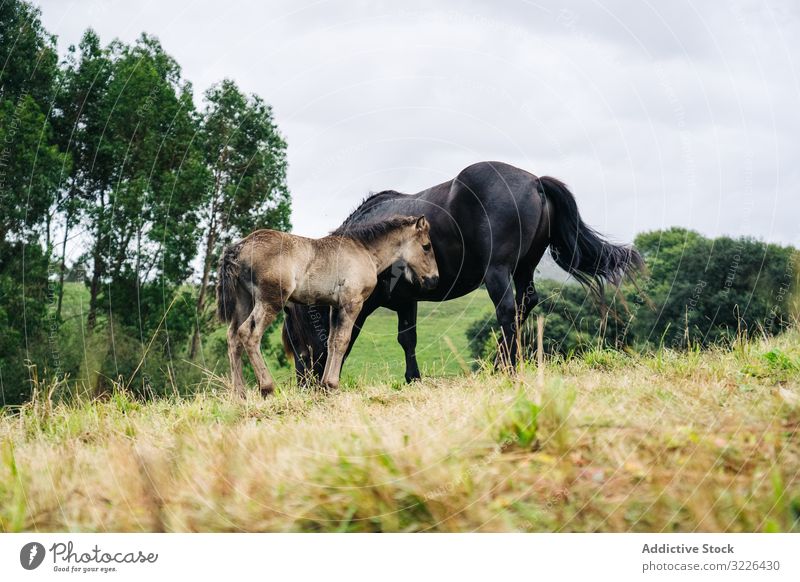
x: 655, y: 113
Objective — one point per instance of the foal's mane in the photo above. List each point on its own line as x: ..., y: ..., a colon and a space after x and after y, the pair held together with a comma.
x: 361, y: 212
x: 369, y: 232
x: 361, y: 226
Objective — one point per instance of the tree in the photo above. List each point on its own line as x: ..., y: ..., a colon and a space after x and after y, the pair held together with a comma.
x: 111, y: 142
x: 30, y: 169
x: 80, y: 123
x: 29, y: 162
x: 132, y: 125
x: 246, y: 158
x: 573, y: 324
x: 699, y: 291
x: 137, y: 180
x: 28, y: 59
x: 711, y: 290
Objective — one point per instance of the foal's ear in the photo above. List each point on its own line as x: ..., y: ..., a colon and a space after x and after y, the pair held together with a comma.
x: 422, y: 223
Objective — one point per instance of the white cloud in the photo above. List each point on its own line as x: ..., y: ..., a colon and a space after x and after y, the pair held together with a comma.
x: 657, y: 114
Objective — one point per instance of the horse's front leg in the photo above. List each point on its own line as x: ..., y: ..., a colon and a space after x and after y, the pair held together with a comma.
x: 407, y: 337
x: 250, y: 333
x: 342, y: 320
x: 367, y: 309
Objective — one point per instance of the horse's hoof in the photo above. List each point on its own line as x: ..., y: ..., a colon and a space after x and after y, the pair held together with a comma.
x: 267, y: 391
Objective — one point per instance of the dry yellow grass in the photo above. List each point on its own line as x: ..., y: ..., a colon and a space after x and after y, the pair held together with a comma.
x: 669, y: 442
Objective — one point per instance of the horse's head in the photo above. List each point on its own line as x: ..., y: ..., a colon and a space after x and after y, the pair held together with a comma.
x: 417, y: 253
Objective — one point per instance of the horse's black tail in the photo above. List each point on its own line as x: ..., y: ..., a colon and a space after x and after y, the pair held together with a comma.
x: 226, y: 282
x: 580, y: 250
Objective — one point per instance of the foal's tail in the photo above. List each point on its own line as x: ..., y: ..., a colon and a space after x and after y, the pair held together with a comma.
x: 226, y: 282
x: 580, y: 250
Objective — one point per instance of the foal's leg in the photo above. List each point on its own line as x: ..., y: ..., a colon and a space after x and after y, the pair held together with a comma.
x: 407, y: 337
x: 342, y: 320
x: 501, y: 291
x: 250, y: 333
x: 235, y: 349
x: 367, y: 309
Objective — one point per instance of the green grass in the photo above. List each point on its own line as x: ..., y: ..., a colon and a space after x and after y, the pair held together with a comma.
x: 441, y: 342
x: 671, y: 441
x: 441, y: 338
x: 377, y: 355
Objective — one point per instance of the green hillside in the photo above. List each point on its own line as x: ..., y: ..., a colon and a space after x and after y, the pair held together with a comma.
x: 441, y: 339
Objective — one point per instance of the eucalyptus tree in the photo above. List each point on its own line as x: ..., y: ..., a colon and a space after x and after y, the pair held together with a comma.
x: 84, y: 80
x: 30, y: 163
x: 132, y: 127
x: 30, y: 167
x: 245, y: 155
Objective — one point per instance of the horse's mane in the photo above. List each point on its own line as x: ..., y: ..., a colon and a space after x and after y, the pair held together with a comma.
x: 361, y: 211
x: 369, y: 232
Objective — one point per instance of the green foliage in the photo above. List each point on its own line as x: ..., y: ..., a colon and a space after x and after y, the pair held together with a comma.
x: 29, y: 170
x: 137, y: 171
x: 697, y: 292
x: 519, y: 425
x: 572, y: 325
x: 246, y: 158
x: 244, y: 155
x: 709, y: 290
x: 776, y: 364
x: 30, y: 166
x: 109, y: 143
x: 23, y: 317
x: 27, y: 52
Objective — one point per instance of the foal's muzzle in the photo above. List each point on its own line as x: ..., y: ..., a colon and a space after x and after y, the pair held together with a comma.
x: 430, y: 282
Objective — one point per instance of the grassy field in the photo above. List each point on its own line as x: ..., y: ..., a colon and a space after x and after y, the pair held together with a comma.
x: 441, y: 339
x: 666, y: 442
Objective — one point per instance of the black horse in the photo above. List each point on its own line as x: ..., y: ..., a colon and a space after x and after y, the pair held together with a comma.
x: 491, y: 224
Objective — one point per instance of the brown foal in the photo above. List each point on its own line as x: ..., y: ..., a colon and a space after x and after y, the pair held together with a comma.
x: 265, y: 270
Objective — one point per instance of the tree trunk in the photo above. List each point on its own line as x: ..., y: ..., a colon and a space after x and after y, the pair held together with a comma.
x: 211, y: 240
x: 47, y: 235
x: 62, y: 268
x: 97, y: 271
x: 94, y: 291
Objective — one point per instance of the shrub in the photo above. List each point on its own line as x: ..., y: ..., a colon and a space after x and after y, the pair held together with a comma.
x: 697, y: 292
x: 519, y: 424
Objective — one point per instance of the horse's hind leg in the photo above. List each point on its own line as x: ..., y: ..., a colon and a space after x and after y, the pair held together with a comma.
x: 250, y: 333
x: 526, y: 296
x: 235, y: 349
x: 501, y: 291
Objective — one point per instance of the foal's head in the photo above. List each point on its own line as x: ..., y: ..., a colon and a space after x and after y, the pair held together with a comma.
x: 416, y: 252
